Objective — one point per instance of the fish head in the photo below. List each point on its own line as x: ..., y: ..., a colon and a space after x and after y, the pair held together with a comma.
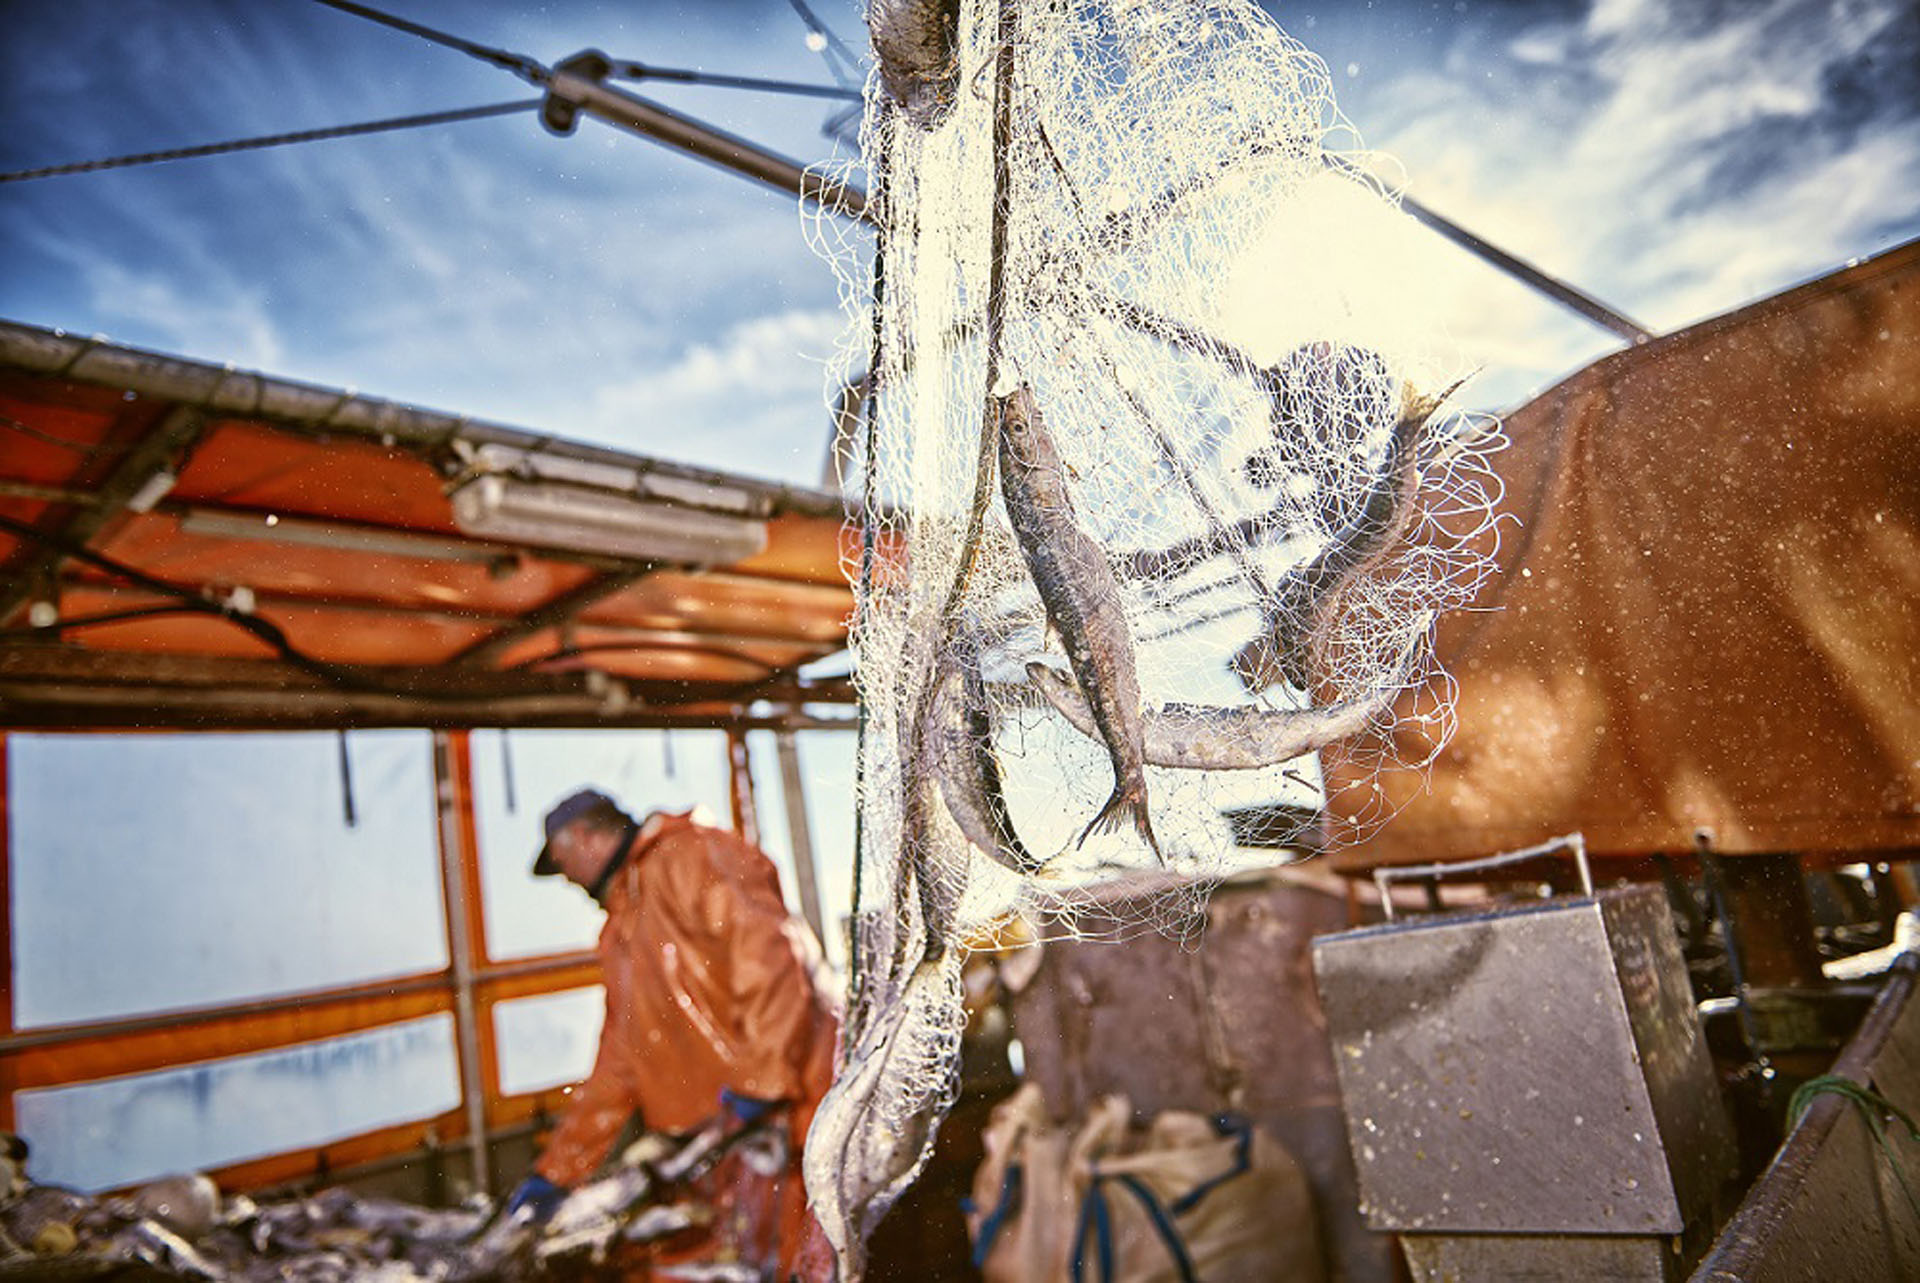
x: 1022, y: 437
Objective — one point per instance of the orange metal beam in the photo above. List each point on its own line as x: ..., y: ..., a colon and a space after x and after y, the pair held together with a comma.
x: 563, y: 972
x: 509, y: 1110
x: 746, y: 821
x: 145, y: 1046
x: 6, y: 938
x: 452, y: 760
x: 460, y: 776
x: 62, y: 1054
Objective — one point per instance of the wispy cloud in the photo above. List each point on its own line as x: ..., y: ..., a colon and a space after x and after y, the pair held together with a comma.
x: 751, y: 401
x: 486, y: 268
x: 1674, y: 160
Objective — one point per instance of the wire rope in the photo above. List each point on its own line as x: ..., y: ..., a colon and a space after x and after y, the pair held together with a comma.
x: 275, y: 140
x: 519, y: 64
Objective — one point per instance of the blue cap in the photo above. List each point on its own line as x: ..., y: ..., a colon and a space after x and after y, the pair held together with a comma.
x: 573, y: 807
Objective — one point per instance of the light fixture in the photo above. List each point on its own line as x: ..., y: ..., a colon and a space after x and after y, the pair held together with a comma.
x: 578, y: 505
x: 343, y: 536
x: 152, y: 490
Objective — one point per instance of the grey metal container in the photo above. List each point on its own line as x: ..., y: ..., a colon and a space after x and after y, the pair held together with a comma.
x: 1537, y: 1070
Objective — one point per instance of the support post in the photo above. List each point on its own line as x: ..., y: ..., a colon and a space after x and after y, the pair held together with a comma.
x: 799, y: 835
x: 746, y: 818
x: 452, y: 770
x: 6, y: 932
x: 1764, y: 903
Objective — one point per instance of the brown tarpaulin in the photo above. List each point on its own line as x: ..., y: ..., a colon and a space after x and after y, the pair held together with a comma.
x: 1708, y: 612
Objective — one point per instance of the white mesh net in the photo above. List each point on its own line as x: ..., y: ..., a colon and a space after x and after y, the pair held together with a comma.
x: 1158, y: 507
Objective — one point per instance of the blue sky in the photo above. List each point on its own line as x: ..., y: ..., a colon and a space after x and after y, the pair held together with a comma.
x: 1675, y: 160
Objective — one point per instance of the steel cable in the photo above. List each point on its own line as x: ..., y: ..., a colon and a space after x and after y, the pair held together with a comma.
x: 275, y: 140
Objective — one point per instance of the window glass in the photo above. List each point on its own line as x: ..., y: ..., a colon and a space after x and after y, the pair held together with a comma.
x: 121, y: 1130
x: 548, y: 1041
x: 152, y: 872
x: 770, y: 801
x: 826, y: 774
x: 826, y: 767
x: 516, y: 782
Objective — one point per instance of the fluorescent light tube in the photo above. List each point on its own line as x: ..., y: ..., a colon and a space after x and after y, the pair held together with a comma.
x: 549, y: 514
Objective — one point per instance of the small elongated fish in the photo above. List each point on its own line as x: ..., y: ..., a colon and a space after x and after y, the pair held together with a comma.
x: 968, y: 767
x: 1302, y: 608
x: 1082, y: 600
x: 1201, y: 737
x: 875, y: 1129
x: 938, y: 884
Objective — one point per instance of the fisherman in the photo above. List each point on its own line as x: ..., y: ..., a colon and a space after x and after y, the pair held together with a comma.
x: 711, y: 1000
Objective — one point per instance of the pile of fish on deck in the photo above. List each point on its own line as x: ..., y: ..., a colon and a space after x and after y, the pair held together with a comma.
x: 181, y: 1228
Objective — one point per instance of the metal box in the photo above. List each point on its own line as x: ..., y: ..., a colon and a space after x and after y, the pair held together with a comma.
x: 1537, y: 1069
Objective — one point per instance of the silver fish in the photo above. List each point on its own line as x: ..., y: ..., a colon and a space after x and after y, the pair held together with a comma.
x: 969, y: 769
x: 937, y: 884
x: 150, y: 1242
x: 1300, y: 615
x: 1200, y: 737
x: 188, y: 1203
x: 590, y: 1216
x: 875, y: 1129
x: 1082, y: 600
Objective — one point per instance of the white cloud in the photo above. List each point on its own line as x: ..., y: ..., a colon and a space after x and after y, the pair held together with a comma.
x: 1671, y: 161
x: 226, y: 321
x: 750, y: 401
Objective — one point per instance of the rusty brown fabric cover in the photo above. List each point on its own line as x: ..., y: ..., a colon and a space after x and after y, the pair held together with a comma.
x: 1707, y: 613
x: 708, y: 986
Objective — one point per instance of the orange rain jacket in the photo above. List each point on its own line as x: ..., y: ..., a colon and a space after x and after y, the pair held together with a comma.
x: 708, y: 986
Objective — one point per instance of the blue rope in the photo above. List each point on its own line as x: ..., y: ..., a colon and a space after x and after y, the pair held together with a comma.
x: 997, y: 1218
x: 1094, y: 1217
x: 1242, y: 1131
x: 1163, y: 1223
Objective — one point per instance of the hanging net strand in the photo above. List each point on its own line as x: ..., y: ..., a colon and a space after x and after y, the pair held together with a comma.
x: 1160, y: 495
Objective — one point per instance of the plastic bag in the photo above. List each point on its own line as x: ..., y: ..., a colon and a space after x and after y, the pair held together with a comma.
x: 1187, y: 1198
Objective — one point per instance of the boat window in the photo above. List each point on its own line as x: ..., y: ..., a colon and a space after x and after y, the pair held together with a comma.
x: 548, y: 1041
x: 121, y: 1130
x: 154, y: 872
x: 826, y: 767
x: 642, y: 769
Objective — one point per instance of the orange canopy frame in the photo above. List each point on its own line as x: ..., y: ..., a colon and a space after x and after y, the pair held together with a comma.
x: 190, y: 547
x: 156, y: 512
x: 1706, y: 620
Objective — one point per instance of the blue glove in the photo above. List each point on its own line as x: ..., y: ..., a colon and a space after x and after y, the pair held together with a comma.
x: 746, y: 1109
x: 537, y: 1194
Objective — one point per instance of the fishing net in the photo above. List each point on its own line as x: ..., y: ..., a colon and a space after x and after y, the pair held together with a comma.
x: 1156, y: 487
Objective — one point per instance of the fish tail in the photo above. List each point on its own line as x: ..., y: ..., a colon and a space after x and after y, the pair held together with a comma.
x: 1127, y: 798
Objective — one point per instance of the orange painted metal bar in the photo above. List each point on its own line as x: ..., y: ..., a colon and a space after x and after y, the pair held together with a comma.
x: 467, y: 858
x: 6, y: 937
x: 573, y: 971
x: 60, y: 1054
x: 746, y: 821
x: 461, y: 764
x: 510, y: 1111
x: 144, y: 1046
x: 456, y: 894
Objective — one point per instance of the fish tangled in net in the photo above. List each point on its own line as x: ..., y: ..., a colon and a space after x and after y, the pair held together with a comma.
x: 1153, y: 506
